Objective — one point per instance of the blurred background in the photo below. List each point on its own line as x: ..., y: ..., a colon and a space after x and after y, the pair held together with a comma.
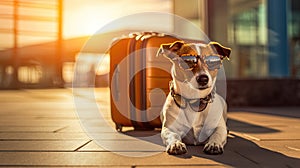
x: 40, y: 41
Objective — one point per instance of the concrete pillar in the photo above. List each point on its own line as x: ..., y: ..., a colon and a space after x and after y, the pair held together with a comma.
x: 278, y: 38
x: 217, y: 20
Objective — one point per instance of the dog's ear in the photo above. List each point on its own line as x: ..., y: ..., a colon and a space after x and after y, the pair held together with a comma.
x: 221, y: 50
x: 169, y: 50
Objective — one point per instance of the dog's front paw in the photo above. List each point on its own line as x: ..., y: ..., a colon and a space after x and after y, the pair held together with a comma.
x: 213, y: 149
x: 176, y: 148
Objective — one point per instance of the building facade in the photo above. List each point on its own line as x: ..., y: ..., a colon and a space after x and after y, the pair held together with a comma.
x: 264, y: 36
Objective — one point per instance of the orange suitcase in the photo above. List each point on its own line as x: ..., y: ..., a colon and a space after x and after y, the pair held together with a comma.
x: 137, y: 80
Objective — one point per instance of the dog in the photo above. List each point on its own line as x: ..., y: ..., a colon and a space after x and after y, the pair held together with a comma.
x: 193, y: 113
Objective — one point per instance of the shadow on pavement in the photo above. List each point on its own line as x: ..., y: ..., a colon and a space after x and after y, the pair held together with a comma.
x: 239, y: 152
x: 238, y: 126
x: 288, y: 112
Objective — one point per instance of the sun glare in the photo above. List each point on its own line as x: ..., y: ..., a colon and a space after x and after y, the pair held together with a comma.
x: 81, y: 19
x: 91, y: 20
x: 86, y: 20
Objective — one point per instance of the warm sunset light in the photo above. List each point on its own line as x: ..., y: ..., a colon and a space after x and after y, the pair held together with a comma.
x: 90, y: 19
x: 38, y: 19
x: 86, y: 17
x: 146, y: 83
x: 84, y: 21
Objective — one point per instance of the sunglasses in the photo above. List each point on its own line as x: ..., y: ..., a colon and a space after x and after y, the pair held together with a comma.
x: 189, y: 62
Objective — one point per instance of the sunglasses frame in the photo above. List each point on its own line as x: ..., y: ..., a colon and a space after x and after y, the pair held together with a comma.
x: 195, y: 60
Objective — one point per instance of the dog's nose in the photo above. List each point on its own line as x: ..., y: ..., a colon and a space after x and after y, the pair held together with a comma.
x: 202, y: 80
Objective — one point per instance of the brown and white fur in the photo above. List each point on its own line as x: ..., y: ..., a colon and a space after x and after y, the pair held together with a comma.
x: 185, y: 126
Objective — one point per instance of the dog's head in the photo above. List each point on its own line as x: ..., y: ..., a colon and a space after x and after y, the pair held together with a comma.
x: 195, y: 63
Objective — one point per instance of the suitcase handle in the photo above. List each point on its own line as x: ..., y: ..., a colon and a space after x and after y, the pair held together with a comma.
x: 116, y: 83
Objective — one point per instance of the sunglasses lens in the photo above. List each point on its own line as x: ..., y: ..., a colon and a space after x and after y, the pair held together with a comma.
x: 188, y: 62
x: 213, y: 62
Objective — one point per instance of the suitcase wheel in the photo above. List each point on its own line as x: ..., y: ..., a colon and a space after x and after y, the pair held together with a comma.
x: 119, y: 127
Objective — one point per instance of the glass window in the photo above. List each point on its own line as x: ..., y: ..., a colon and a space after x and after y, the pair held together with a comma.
x: 294, y: 36
x: 248, y: 35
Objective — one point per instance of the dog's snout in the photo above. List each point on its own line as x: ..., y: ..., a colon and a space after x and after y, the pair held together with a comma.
x: 202, y: 80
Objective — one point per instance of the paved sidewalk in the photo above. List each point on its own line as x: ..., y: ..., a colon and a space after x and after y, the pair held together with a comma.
x: 40, y: 128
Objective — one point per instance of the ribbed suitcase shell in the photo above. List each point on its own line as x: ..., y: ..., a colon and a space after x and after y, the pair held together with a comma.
x: 140, y: 50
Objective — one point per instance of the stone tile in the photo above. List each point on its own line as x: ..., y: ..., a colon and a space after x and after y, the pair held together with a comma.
x: 187, y: 166
x: 244, y: 127
x: 13, y: 129
x: 80, y: 128
x: 97, y: 159
x: 264, y: 157
x: 26, y: 121
x: 33, y: 105
x: 286, y: 147
x: 92, y: 147
x: 123, y: 146
x: 15, y: 146
x: 266, y: 120
x: 70, y: 135
x: 292, y: 112
x: 39, y: 114
x: 117, y: 136
x: 285, y: 135
x: 41, y: 128
x: 42, y: 136
x: 95, y: 123
x: 265, y: 127
x: 259, y: 154
x: 64, y: 166
x: 36, y: 122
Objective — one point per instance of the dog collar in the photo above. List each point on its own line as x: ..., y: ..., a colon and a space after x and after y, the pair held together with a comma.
x: 197, y: 105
